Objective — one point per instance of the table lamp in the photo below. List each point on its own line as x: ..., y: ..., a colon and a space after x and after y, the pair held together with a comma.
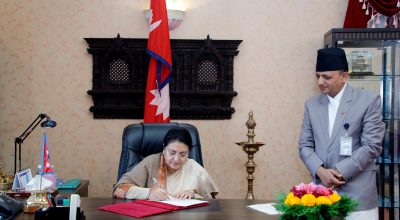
x: 48, y: 123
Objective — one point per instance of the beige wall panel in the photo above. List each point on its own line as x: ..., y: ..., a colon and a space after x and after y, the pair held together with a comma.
x: 44, y: 67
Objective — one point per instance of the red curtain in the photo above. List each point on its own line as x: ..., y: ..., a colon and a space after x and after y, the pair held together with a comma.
x: 385, y: 7
x: 355, y: 15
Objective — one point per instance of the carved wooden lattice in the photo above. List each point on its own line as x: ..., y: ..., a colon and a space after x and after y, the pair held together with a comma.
x: 201, y: 86
x: 119, y: 72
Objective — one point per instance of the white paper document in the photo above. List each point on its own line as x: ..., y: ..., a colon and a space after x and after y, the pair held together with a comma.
x: 266, y: 208
x: 38, y: 183
x: 183, y: 202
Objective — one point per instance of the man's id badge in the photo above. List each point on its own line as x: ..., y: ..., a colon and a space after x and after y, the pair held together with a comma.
x: 345, y: 146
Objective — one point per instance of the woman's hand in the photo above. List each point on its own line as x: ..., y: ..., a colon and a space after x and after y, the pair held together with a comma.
x: 157, y: 194
x: 187, y: 194
x: 121, y: 190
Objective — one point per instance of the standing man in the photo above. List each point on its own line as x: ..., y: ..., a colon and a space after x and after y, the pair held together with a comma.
x: 342, y: 134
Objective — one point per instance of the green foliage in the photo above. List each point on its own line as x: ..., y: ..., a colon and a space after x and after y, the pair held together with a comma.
x: 319, y: 212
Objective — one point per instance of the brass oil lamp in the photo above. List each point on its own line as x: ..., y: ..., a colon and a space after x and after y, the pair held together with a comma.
x: 250, y: 147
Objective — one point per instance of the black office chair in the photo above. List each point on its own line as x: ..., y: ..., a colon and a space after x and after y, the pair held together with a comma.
x: 142, y: 140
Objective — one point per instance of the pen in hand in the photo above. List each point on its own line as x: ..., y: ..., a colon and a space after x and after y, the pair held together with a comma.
x: 170, y: 197
x: 156, y: 182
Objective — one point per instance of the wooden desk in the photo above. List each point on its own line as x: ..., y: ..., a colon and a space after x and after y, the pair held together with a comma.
x: 82, y: 190
x: 218, y: 209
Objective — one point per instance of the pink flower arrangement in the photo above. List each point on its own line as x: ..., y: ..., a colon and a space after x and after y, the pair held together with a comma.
x: 311, y: 188
x: 312, y: 201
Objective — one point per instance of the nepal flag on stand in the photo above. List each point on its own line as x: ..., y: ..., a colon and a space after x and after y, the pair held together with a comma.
x: 157, y: 102
x: 46, y: 167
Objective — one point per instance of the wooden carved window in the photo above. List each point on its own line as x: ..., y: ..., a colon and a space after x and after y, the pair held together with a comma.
x: 201, y: 86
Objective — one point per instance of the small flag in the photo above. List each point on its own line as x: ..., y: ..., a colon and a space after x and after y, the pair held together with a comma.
x: 45, y: 167
x: 157, y: 103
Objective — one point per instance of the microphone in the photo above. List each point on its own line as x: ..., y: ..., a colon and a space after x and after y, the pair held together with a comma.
x: 48, y: 123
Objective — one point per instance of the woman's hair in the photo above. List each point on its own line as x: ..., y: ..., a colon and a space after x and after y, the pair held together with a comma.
x: 178, y: 134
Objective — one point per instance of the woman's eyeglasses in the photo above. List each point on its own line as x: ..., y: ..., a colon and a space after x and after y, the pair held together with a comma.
x: 181, y: 155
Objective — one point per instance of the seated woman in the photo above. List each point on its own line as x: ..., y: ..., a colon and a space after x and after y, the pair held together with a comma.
x: 169, y: 174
